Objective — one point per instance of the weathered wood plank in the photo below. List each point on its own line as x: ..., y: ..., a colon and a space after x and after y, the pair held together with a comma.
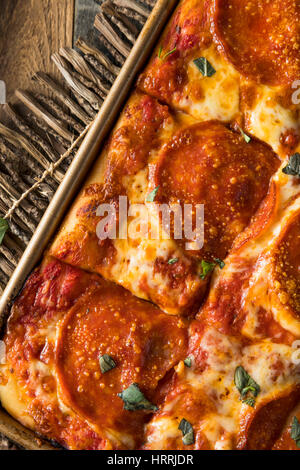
x: 32, y: 30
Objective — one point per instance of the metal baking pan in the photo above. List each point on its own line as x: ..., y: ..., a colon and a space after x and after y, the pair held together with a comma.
x: 88, y: 151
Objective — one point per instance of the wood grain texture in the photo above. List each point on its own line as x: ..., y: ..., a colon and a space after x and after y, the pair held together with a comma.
x: 30, y: 30
x: 85, y: 12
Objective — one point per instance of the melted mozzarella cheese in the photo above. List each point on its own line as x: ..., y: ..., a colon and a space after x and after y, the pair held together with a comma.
x: 160, y: 430
x: 256, y: 294
x: 215, y: 97
x: 268, y: 120
x: 269, y: 364
x: 146, y: 241
x: 272, y: 367
x: 14, y: 400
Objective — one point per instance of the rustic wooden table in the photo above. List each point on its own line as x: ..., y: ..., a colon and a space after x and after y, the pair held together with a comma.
x: 30, y: 30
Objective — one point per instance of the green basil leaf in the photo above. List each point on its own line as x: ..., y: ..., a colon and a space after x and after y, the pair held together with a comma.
x: 187, y: 431
x: 172, y: 260
x: 151, y: 196
x: 207, y: 267
x: 255, y: 388
x: 247, y: 138
x: 220, y: 262
x: 248, y: 389
x: 160, y: 51
x: 3, y: 228
x: 295, y: 429
x: 249, y: 401
x: 168, y: 53
x: 106, y: 363
x: 241, y: 378
x: 134, y: 399
x: 188, y: 439
x: 204, y: 66
x: 244, y: 383
x: 188, y: 362
x: 293, y: 166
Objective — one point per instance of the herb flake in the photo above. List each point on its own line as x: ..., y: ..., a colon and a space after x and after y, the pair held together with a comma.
x: 187, y: 431
x: 168, y: 53
x: 188, y: 362
x: 293, y: 166
x: 3, y: 228
x: 207, y: 267
x: 172, y: 260
x: 134, y: 399
x: 151, y: 196
x: 106, y: 363
x: 246, y: 137
x: 295, y: 431
x: 249, y: 401
x: 204, y: 66
x: 245, y: 385
x: 220, y: 262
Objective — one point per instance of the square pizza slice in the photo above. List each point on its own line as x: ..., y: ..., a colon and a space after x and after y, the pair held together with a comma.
x: 239, y: 385
x: 235, y: 61
x: 85, y: 359
x: 138, y: 219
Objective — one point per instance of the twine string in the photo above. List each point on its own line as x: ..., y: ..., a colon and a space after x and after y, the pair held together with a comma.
x: 49, y: 171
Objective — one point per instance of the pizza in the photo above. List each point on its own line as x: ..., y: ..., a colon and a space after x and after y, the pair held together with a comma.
x: 234, y: 61
x: 142, y: 329
x: 53, y: 382
x: 133, y: 169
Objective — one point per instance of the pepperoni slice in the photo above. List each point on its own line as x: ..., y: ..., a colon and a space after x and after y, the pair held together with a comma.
x: 186, y: 34
x: 262, y: 220
x: 286, y: 268
x: 49, y: 292
x: 260, y: 37
x: 208, y: 164
x: 285, y: 442
x: 144, y: 344
x: 183, y: 402
x: 81, y: 246
x: 262, y: 427
x: 131, y: 142
x: 47, y: 296
x: 137, y: 133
